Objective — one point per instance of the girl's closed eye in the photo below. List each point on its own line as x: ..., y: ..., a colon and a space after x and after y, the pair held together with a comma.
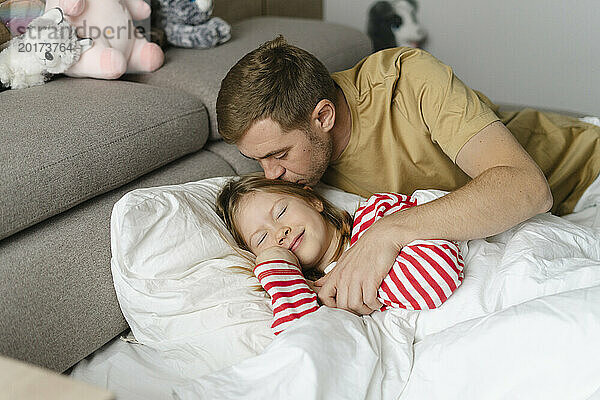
x: 262, y: 239
x: 281, y: 212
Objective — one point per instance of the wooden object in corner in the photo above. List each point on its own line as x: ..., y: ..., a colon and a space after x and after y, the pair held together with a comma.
x: 22, y: 381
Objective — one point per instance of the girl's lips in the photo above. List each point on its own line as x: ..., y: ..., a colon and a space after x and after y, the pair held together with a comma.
x: 296, y: 242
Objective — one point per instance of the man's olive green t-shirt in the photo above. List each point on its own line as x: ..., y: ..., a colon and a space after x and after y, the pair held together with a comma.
x: 411, y: 116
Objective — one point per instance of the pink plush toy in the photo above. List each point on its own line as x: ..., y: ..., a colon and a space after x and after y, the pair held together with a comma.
x: 118, y: 47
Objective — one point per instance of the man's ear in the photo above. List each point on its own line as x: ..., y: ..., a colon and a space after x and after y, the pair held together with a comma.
x: 324, y: 115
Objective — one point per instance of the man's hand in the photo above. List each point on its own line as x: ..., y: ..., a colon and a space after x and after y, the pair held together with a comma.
x: 313, y: 286
x: 354, y: 282
x: 507, y: 188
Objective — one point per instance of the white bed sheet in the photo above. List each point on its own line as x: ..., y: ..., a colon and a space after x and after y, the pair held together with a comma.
x: 524, y: 324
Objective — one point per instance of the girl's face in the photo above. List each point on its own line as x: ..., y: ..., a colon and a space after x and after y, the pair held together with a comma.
x: 271, y: 219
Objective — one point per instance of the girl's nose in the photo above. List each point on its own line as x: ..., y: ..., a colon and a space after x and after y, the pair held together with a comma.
x: 284, y: 232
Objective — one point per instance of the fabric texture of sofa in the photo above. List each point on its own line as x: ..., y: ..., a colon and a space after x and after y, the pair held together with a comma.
x: 72, y: 147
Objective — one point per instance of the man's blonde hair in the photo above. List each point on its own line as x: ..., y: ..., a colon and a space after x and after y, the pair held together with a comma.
x: 277, y: 81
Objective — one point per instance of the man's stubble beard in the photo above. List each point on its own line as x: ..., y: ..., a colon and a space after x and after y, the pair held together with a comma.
x: 322, y: 148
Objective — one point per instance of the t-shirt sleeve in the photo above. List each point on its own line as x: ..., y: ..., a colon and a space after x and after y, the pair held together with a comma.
x: 452, y: 112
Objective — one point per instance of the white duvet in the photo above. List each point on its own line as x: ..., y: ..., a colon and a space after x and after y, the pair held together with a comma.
x: 524, y: 324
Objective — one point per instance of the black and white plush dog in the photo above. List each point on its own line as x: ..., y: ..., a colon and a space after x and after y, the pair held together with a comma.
x: 394, y: 23
x: 189, y: 23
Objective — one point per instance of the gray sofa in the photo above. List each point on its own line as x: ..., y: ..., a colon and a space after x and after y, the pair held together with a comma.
x: 72, y: 147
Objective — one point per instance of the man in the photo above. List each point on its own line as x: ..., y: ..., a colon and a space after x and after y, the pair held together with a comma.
x: 400, y: 120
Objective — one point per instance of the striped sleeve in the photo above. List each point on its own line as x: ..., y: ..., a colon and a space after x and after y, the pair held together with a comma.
x: 290, y: 295
x: 425, y: 273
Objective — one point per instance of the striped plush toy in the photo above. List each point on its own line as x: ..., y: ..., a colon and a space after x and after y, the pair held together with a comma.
x: 424, y: 275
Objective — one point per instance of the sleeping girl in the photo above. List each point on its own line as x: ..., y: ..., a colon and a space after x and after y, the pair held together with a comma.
x: 297, y: 236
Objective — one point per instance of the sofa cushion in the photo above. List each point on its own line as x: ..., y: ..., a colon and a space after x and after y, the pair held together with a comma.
x: 232, y: 155
x: 57, y: 300
x: 72, y: 139
x: 200, y: 71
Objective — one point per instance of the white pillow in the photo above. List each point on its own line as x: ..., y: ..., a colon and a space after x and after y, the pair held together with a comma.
x: 170, y: 265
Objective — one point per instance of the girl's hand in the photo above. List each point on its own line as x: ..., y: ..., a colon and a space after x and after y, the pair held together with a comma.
x: 276, y: 253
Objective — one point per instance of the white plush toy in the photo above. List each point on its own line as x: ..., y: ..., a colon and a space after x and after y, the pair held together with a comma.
x: 48, y: 46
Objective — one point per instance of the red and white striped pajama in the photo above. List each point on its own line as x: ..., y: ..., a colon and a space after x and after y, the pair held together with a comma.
x: 424, y: 275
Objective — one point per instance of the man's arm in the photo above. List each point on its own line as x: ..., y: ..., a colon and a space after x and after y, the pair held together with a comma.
x: 507, y: 188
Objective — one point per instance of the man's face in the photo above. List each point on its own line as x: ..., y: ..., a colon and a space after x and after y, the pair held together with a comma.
x: 295, y: 156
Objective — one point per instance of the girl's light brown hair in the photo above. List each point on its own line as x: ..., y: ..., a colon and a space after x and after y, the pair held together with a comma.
x: 229, y: 200
x: 277, y: 81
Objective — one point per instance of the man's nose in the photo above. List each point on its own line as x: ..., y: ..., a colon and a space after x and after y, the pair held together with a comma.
x: 273, y: 170
x: 282, y: 236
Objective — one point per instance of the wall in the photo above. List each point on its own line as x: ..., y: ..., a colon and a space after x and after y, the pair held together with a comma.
x: 236, y: 10
x: 541, y: 53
